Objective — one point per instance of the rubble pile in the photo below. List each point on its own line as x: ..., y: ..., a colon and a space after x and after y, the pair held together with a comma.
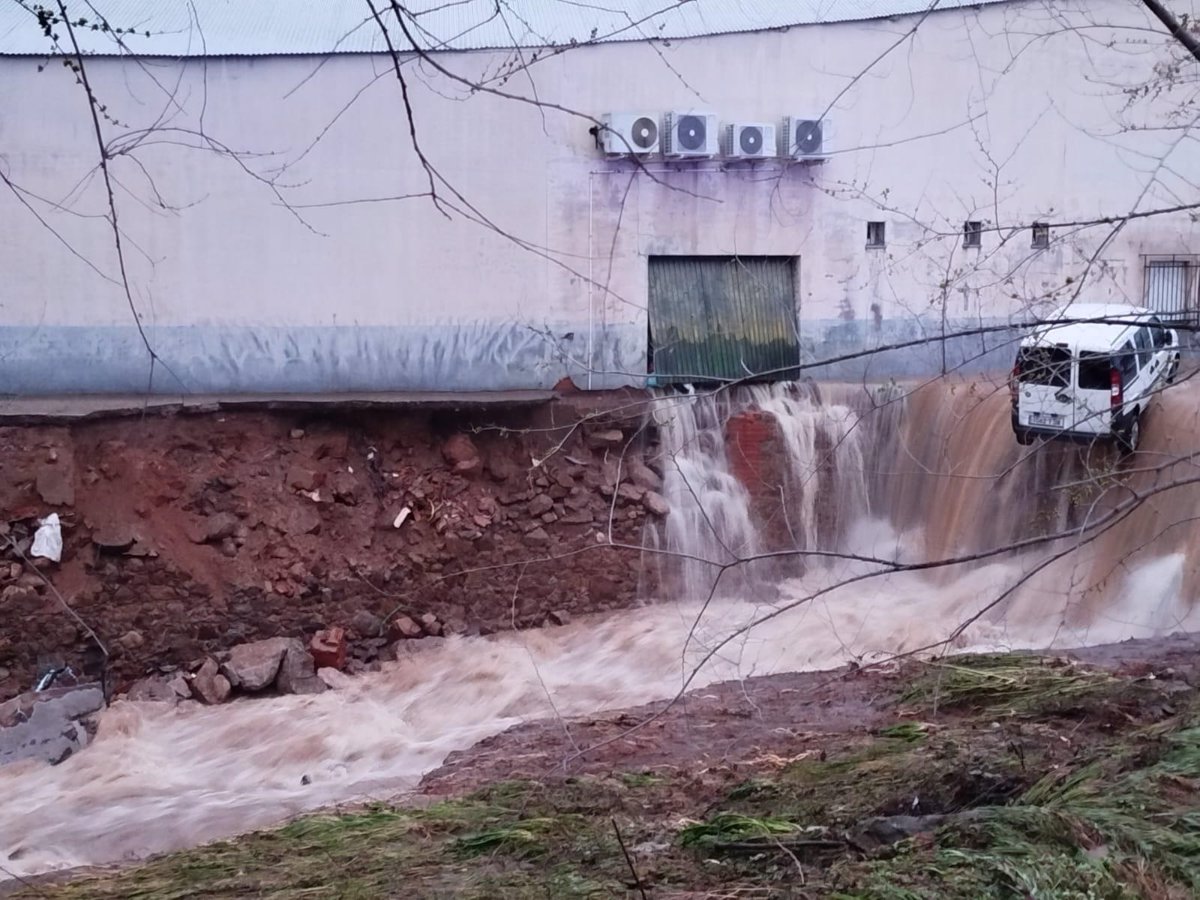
x: 187, y: 537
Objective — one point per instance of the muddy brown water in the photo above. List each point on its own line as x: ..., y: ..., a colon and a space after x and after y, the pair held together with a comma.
x: 913, y: 476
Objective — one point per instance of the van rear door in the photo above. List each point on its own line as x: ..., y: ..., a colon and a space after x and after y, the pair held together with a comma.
x: 1094, y: 393
x: 1046, y: 399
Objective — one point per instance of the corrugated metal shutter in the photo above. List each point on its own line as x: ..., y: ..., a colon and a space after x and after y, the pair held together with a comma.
x: 723, y: 318
x: 1170, y: 286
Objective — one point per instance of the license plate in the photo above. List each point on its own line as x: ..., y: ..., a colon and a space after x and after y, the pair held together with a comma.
x: 1051, y: 419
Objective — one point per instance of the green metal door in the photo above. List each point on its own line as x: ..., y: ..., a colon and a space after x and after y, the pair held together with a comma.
x: 723, y: 318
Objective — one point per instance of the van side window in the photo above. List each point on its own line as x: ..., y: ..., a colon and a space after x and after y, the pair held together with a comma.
x: 1158, y: 332
x: 1142, y: 338
x: 1126, y: 360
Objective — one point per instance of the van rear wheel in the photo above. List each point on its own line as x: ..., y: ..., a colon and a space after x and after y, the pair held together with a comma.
x: 1129, y: 436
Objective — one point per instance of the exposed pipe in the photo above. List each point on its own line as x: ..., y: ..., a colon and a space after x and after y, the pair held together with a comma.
x: 591, y: 359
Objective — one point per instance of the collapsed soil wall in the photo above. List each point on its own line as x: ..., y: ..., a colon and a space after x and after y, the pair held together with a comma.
x: 186, y: 535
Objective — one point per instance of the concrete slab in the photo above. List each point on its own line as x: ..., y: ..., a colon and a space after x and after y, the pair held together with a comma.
x: 47, y: 725
x: 53, y: 410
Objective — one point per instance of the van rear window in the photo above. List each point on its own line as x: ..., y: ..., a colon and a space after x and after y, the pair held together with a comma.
x: 1045, y: 365
x: 1094, y: 371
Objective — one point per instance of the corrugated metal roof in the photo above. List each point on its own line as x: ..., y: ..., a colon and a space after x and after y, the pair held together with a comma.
x: 271, y: 27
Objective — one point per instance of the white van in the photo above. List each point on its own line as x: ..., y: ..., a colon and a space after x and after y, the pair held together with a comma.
x: 1089, y: 373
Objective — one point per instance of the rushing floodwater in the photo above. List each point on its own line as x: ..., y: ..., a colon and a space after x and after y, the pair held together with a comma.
x: 933, y: 476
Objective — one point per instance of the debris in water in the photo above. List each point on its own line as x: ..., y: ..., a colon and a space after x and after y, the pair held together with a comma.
x: 401, y: 517
x: 49, y: 676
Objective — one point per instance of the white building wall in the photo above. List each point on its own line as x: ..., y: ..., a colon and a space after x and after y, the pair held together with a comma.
x: 263, y: 254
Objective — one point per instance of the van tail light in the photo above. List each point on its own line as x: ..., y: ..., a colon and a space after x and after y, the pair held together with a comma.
x: 1012, y: 383
x: 1116, y: 397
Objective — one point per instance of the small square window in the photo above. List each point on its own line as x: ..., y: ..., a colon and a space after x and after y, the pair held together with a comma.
x: 1039, y: 236
x: 876, y: 234
x: 972, y: 234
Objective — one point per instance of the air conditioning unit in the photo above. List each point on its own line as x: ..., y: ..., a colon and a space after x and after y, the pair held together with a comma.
x: 688, y: 134
x: 804, y: 138
x: 750, y: 140
x: 629, y: 134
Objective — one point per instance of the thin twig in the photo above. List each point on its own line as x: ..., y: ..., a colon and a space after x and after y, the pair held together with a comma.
x: 637, y: 879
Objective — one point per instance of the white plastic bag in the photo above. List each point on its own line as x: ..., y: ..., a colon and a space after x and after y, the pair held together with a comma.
x: 47, y: 540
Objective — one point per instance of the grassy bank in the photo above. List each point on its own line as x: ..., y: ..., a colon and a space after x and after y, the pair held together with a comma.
x: 1002, y: 776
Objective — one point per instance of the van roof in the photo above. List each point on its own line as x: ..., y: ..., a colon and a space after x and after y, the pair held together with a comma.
x: 1081, y: 330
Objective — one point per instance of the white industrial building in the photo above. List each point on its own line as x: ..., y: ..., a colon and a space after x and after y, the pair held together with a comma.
x: 976, y: 163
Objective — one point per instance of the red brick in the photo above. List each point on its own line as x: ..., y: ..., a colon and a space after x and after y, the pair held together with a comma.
x: 328, y: 648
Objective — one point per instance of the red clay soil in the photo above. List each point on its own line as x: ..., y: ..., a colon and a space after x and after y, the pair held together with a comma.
x: 186, y: 535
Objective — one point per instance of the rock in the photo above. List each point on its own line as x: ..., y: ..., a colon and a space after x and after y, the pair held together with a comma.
x: 209, y: 685
x: 578, y: 499
x: 600, y: 440
x: 301, y: 479
x: 113, y: 537
x: 630, y: 492
x: 131, y: 640
x: 334, y: 446
x: 501, y: 468
x: 56, y: 485
x: 293, y: 519
x: 180, y: 686
x: 431, y: 625
x: 252, y: 667
x: 656, y: 504
x: 344, y: 487
x: 366, y: 624
x: 297, y: 433
x: 328, y: 648
x: 48, y: 725
x: 403, y: 628
x: 462, y: 454
x: 642, y: 475
x: 578, y: 517
x: 538, y: 536
x: 602, y: 590
x: 297, y: 671
x: 540, y: 504
x: 215, y: 528
x: 559, y: 617
x: 159, y: 689
x: 333, y: 679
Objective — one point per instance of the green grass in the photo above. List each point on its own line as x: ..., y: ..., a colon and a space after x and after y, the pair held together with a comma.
x: 1123, y: 822
x: 727, y: 827
x: 1012, y: 684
